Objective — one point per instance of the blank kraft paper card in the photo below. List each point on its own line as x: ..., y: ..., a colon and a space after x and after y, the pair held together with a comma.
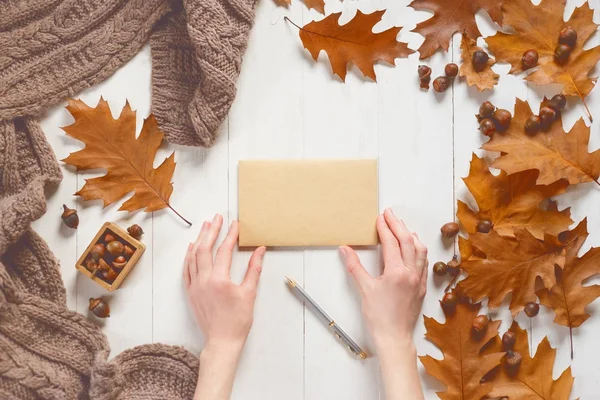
x: 308, y: 202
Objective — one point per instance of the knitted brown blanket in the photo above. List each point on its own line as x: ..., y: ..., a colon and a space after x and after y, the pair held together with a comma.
x: 51, y: 49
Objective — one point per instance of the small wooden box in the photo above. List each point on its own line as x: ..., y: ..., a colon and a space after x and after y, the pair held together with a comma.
x: 127, y: 240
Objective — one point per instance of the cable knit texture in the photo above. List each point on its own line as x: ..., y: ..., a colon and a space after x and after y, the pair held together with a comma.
x: 52, y: 49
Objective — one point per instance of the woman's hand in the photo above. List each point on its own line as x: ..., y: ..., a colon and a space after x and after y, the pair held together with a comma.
x: 391, y: 303
x: 224, y: 310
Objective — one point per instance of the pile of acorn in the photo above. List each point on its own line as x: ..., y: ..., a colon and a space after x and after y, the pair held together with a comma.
x: 567, y: 38
x: 441, y: 83
x: 110, y: 255
x: 492, y: 119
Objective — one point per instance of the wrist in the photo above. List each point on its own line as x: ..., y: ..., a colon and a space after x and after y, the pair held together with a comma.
x: 226, y: 348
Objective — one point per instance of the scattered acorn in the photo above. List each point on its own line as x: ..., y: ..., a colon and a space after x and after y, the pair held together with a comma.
x: 533, y: 125
x: 486, y: 110
x: 508, y: 340
x: 480, y: 324
x: 451, y: 70
x: 502, y: 119
x: 441, y: 84
x: 449, y: 302
x: 512, y: 362
x: 119, y: 262
x: 558, y: 102
x: 424, y: 76
x: 135, y: 231
x: 562, y: 53
x: 115, y: 248
x: 568, y: 36
x: 547, y: 117
x: 453, y: 267
x: 479, y: 59
x: 532, y: 309
x: 484, y: 226
x: 487, y: 127
x: 440, y: 268
x: 99, y: 307
x: 450, y: 229
x: 530, y: 59
x: 70, y: 217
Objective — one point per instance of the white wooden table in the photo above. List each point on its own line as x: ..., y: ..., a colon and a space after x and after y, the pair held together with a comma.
x: 291, y: 107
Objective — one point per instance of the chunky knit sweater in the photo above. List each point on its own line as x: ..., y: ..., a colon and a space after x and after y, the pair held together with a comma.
x: 51, y: 49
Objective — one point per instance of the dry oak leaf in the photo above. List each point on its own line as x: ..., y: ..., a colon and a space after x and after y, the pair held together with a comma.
x: 450, y: 17
x: 463, y: 366
x: 533, y: 380
x: 482, y: 80
x: 283, y: 3
x: 537, y: 28
x: 318, y: 5
x: 111, y: 144
x: 511, y: 201
x: 497, y: 266
x: 556, y: 154
x: 353, y: 42
x: 569, y: 297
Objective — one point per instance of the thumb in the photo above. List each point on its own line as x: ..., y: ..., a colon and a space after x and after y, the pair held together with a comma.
x: 354, y: 267
x: 254, y: 268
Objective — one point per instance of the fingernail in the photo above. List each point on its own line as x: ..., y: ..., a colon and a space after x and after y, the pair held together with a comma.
x: 261, y: 251
x: 343, y: 253
x: 216, y: 218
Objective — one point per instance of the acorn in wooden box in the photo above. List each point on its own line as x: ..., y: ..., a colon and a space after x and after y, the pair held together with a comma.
x: 110, y: 256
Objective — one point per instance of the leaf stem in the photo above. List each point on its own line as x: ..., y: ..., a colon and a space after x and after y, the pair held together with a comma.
x: 179, y: 215
x: 571, y: 337
x: 291, y: 22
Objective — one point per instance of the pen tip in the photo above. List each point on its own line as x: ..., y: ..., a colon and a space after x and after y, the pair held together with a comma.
x: 290, y: 281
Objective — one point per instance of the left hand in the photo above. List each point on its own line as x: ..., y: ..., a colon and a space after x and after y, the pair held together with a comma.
x: 224, y: 310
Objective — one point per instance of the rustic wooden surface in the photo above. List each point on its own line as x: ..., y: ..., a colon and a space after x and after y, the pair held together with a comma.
x: 291, y: 107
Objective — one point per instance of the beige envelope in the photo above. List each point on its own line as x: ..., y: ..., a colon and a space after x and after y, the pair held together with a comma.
x: 308, y: 202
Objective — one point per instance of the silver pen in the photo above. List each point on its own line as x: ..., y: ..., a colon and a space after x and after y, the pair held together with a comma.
x: 333, y: 326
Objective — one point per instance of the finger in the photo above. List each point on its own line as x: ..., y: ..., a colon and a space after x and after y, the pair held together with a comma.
x: 204, y: 255
x: 389, y: 245
x: 420, y: 253
x: 424, y: 275
x: 254, y: 269
x: 404, y: 237
x: 354, y: 267
x: 187, y: 264
x: 198, y: 258
x: 225, y: 251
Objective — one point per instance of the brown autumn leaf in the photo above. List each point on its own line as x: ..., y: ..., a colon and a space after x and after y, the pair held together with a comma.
x: 111, y: 144
x: 497, y: 266
x: 318, y: 5
x: 556, y: 154
x: 353, y: 42
x: 463, y: 366
x: 450, y: 17
x: 537, y: 28
x: 511, y: 201
x: 568, y: 297
x: 533, y: 380
x: 283, y: 3
x: 482, y: 80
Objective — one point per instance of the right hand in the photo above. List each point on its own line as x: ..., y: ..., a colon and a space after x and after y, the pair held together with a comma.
x: 391, y: 303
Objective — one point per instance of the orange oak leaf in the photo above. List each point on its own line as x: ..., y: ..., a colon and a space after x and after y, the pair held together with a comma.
x: 283, y: 3
x: 569, y: 297
x: 318, y: 5
x: 511, y: 201
x: 556, y: 154
x: 537, y: 28
x: 533, y: 380
x: 353, y: 42
x: 497, y: 266
x: 450, y: 17
x: 463, y: 366
x: 482, y: 80
x: 111, y: 144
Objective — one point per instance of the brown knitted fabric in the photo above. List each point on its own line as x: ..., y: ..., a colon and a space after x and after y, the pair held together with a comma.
x: 51, y: 49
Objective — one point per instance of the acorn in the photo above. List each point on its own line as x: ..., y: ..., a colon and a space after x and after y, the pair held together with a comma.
x: 119, y: 262
x: 484, y: 226
x: 453, y: 267
x: 128, y: 251
x: 449, y: 230
x: 135, y: 231
x: 530, y: 59
x: 486, y: 110
x: 479, y: 59
x: 99, y: 307
x: 480, y: 324
x: 441, y: 84
x: 568, y: 36
x: 547, y: 117
x: 533, y: 125
x: 102, y: 265
x: 502, y: 119
x: 508, y: 340
x: 424, y: 76
x: 449, y: 302
x: 115, y: 248
x: 532, y: 309
x: 558, y: 102
x: 91, y: 265
x: 98, y: 251
x: 451, y: 70
x: 109, y: 237
x: 512, y: 362
x: 109, y: 275
x: 440, y: 268
x: 487, y: 127
x: 562, y: 53
x: 70, y: 217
